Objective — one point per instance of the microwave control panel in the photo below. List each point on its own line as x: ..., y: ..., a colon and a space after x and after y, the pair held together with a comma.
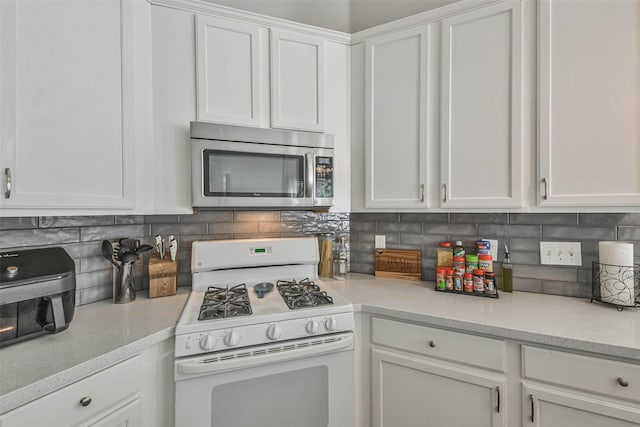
x: 324, y: 177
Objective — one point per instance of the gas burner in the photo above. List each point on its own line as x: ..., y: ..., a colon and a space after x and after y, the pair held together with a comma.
x: 304, y: 293
x: 225, y: 302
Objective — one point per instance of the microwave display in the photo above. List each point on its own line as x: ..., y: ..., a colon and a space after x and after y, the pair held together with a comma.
x: 324, y: 177
x: 244, y: 174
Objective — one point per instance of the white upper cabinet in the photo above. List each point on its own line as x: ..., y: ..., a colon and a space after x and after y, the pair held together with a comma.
x: 589, y: 103
x: 297, y: 81
x: 232, y: 69
x: 396, y: 70
x: 481, y: 108
x: 66, y: 115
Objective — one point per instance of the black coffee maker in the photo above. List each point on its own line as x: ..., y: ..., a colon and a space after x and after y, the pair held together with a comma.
x: 37, y: 293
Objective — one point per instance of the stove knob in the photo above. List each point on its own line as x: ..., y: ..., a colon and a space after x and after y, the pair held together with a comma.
x: 207, y: 342
x: 312, y: 326
x: 331, y: 324
x: 274, y: 331
x: 231, y: 339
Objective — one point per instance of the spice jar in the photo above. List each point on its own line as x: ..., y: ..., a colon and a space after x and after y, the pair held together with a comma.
x: 490, y: 283
x: 468, y: 282
x: 325, y: 269
x: 485, y: 262
x: 440, y: 277
x: 478, y: 280
x: 445, y: 254
x: 472, y: 263
x: 448, y: 279
x: 340, y: 260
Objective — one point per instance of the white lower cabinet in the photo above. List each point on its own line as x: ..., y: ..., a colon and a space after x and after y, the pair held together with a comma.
x: 108, y: 398
x: 415, y: 391
x: 555, y: 407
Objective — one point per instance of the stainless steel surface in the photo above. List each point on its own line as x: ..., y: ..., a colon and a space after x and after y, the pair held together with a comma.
x: 9, y: 183
x: 201, y: 130
x: 310, y: 174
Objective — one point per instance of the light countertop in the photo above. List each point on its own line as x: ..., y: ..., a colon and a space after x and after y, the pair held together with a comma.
x: 101, y: 334
x: 573, y: 323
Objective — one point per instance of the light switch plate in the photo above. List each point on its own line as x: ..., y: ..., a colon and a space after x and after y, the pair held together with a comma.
x: 560, y: 253
x: 380, y: 241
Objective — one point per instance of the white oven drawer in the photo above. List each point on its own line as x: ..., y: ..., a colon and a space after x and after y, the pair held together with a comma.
x: 448, y: 345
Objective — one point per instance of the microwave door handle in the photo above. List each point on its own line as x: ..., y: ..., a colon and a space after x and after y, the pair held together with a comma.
x: 310, y: 168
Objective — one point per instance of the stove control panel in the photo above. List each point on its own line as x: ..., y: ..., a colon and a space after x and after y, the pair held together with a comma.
x: 194, y: 343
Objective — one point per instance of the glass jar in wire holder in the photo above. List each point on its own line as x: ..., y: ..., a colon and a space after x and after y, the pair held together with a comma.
x: 617, y: 285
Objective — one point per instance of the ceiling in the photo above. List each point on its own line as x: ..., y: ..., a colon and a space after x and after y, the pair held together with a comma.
x: 348, y: 16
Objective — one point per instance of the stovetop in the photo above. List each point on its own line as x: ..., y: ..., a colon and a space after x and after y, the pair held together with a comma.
x: 304, y: 293
x: 225, y: 302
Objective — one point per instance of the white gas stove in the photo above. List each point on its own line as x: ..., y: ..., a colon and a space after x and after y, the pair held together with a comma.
x: 215, y: 320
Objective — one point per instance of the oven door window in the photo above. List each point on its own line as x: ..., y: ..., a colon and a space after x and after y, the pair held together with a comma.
x: 289, y: 399
x: 241, y: 174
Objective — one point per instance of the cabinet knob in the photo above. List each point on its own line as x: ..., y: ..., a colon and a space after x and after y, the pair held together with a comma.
x: 85, y: 401
x: 622, y: 382
x: 432, y: 343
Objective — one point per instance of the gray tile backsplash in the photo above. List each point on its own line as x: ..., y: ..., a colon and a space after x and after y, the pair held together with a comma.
x: 81, y: 237
x: 523, y: 232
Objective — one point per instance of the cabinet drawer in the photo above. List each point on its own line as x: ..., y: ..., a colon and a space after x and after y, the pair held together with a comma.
x: 106, y: 389
x: 454, y: 346
x: 582, y: 372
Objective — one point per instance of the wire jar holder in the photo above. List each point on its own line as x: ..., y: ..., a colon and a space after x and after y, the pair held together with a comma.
x: 616, y: 285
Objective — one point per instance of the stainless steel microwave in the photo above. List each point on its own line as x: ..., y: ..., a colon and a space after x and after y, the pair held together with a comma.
x: 241, y: 167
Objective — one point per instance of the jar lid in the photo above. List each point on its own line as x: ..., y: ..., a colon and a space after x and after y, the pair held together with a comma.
x: 478, y: 271
x: 458, y: 259
x: 485, y: 257
x: 468, y: 275
x: 489, y: 274
x: 472, y: 258
x: 444, y: 244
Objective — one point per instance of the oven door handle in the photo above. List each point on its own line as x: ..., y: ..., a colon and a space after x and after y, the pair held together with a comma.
x: 227, y: 361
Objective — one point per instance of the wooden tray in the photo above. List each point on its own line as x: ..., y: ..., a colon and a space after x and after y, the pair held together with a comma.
x: 399, y: 264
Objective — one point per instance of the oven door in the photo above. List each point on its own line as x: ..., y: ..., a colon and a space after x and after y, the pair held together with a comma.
x: 300, y: 383
x: 235, y: 174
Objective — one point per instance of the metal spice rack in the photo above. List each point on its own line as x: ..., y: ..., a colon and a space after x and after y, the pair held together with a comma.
x: 617, y: 280
x: 474, y: 294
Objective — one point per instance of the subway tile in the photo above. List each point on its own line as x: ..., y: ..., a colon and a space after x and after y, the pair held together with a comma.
x: 600, y: 219
x: 302, y: 216
x: 363, y: 257
x: 365, y: 268
x: 412, y: 247
x: 628, y: 233
x: 280, y: 227
x: 259, y: 216
x: 161, y: 219
x: 545, y: 272
x: 363, y: 237
x: 630, y: 219
x: 96, y: 278
x: 75, y: 221
x: 165, y: 230
x: 529, y: 258
x: 430, y: 263
x: 16, y: 223
x: 34, y: 237
x: 94, y: 294
x: 569, y: 289
x: 543, y: 218
x: 527, y: 285
x: 578, y: 233
x: 509, y: 230
x: 425, y: 217
x: 183, y: 279
x: 363, y: 226
x: 519, y: 244
x: 362, y: 247
x: 263, y: 235
x: 129, y: 219
x: 81, y: 250
x: 325, y: 227
x: 585, y: 275
x: 428, y: 274
x: 386, y: 217
x: 94, y: 263
x: 187, y: 241
x: 422, y: 239
x: 479, y: 218
x: 590, y: 247
x: 200, y: 217
x: 233, y: 227
x: 457, y: 229
x: 391, y: 227
x: 113, y: 232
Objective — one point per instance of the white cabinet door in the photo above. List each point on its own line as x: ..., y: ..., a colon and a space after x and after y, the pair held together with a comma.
x: 396, y: 120
x: 130, y: 415
x: 297, y: 81
x: 589, y: 103
x: 546, y: 407
x: 66, y: 115
x: 482, y: 108
x: 409, y: 391
x: 232, y: 82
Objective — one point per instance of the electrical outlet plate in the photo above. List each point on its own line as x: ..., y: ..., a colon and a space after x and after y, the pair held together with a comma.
x: 560, y: 253
x: 380, y: 241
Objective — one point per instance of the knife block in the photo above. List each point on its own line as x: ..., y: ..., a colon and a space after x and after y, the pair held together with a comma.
x: 162, y: 276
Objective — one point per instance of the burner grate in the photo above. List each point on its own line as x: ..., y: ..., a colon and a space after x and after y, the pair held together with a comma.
x: 220, y: 303
x: 302, y: 294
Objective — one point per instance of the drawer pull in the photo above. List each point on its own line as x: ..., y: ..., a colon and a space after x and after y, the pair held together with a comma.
x: 85, y: 401
x: 622, y: 382
x: 432, y: 343
x: 532, y: 408
x: 498, y: 392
